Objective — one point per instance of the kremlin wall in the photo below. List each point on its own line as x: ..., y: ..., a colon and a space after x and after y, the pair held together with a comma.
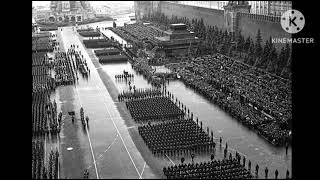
x: 247, y: 23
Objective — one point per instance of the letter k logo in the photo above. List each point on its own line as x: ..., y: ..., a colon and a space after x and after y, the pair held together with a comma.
x: 291, y: 21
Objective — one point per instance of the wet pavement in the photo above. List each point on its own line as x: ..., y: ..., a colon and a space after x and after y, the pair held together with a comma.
x: 118, y: 156
x: 238, y: 137
x: 112, y: 152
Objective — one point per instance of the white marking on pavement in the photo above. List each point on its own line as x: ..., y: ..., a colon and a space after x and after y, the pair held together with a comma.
x: 81, y: 47
x: 108, y: 147
x: 170, y: 160
x: 143, y: 168
x: 120, y: 135
x: 131, y: 127
x: 88, y: 134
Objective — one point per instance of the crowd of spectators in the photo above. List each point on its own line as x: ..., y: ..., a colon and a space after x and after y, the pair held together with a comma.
x: 142, y: 32
x: 124, y: 35
x: 256, y: 98
x: 137, y: 32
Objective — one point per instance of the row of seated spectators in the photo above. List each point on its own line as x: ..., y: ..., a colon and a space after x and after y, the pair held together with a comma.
x: 124, y: 35
x: 142, y: 32
x: 256, y: 98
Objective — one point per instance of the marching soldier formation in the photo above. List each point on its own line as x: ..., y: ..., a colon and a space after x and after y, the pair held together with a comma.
x: 154, y: 108
x: 124, y: 76
x: 139, y: 94
x: 64, y: 71
x: 176, y: 137
x: 216, y: 169
x: 39, y: 170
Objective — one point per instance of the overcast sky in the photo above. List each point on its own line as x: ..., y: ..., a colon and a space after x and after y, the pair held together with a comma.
x: 93, y: 3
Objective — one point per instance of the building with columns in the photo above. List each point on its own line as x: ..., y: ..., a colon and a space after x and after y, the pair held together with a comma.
x: 272, y: 8
x: 277, y: 8
x: 70, y: 11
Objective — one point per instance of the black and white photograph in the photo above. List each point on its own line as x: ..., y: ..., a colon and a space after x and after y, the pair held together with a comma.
x: 163, y: 89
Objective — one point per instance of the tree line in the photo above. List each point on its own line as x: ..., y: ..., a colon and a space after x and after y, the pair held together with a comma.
x: 216, y: 40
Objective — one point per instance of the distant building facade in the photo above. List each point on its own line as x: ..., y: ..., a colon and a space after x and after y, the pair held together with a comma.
x: 277, y: 8
x: 272, y: 8
x: 66, y: 11
x: 102, y: 11
x: 259, y: 7
x: 205, y: 4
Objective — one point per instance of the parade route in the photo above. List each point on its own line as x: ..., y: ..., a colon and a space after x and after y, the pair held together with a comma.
x: 122, y: 159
